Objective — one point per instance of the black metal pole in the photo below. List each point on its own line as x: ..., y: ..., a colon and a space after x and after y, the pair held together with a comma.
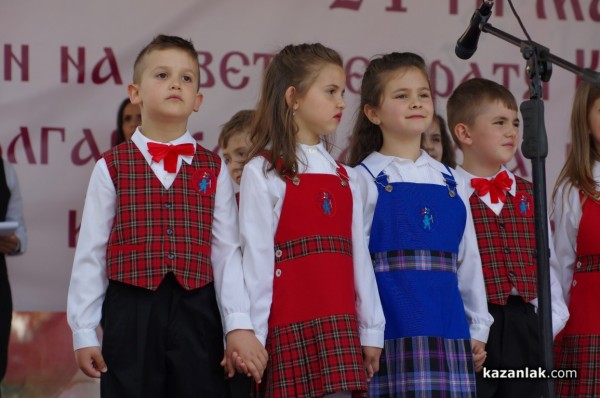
x: 535, y: 147
x: 544, y: 54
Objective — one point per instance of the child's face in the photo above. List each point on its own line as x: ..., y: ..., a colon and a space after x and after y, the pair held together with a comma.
x: 594, y: 123
x: 494, y: 136
x: 235, y: 154
x: 319, y: 110
x: 168, y: 87
x: 406, y: 107
x: 431, y: 141
x: 132, y: 118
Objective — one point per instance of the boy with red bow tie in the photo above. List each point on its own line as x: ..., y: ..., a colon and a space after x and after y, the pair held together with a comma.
x: 158, y: 257
x: 483, y: 119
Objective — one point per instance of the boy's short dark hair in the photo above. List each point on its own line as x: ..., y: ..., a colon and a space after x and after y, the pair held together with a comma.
x: 470, y: 96
x: 164, y: 42
x: 239, y: 122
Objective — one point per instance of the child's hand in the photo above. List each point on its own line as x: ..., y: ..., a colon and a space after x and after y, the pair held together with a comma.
x: 371, y: 361
x: 479, y: 354
x: 232, y: 362
x: 9, y: 244
x: 90, y: 361
x: 244, y: 352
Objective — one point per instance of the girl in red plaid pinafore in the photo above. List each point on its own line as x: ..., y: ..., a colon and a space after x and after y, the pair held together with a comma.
x: 312, y: 289
x: 577, y: 220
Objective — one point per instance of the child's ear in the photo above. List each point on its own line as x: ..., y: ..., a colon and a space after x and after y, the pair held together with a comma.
x: 461, y: 131
x: 134, y: 94
x: 371, y: 114
x: 198, y: 101
x: 290, y: 98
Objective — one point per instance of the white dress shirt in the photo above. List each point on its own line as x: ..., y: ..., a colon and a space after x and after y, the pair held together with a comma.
x: 567, y: 216
x: 88, y: 278
x: 14, y: 212
x: 426, y: 170
x: 261, y: 200
x: 560, y: 313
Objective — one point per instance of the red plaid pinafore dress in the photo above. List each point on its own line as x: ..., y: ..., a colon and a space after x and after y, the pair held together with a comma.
x: 313, y: 342
x: 578, y: 346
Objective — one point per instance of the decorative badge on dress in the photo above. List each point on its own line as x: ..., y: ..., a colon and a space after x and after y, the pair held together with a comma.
x: 524, y: 203
x: 325, y: 200
x: 204, y: 182
x: 426, y: 218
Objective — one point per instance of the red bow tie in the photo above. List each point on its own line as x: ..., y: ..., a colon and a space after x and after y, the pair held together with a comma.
x: 497, y: 186
x: 169, y: 153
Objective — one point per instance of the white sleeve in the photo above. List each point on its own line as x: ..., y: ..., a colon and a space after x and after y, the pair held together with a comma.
x: 368, y: 195
x: 560, y: 311
x: 470, y: 280
x: 226, y: 258
x: 371, y: 322
x: 14, y: 212
x: 88, y: 277
x: 257, y: 230
x: 566, y: 215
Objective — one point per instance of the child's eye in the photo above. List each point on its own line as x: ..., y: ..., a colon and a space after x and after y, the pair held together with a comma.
x: 187, y: 79
x: 161, y: 75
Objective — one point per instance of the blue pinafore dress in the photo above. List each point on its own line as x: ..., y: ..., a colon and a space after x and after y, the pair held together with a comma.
x: 415, y: 237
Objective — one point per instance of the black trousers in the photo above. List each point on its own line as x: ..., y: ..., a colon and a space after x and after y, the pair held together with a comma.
x: 166, y: 343
x: 240, y: 386
x: 513, y: 344
x: 6, y: 308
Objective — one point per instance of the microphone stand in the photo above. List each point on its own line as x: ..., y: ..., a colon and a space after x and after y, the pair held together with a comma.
x: 535, y: 147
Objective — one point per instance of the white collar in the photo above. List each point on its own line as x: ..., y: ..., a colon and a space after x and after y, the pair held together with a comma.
x: 377, y: 162
x: 320, y: 148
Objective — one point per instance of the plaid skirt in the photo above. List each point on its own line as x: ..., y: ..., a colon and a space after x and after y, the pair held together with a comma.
x: 580, y: 352
x: 314, y: 358
x: 425, y: 367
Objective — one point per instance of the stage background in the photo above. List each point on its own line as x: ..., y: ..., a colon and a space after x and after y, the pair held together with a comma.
x: 65, y: 66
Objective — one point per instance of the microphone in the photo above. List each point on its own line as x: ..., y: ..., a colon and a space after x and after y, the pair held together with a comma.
x: 467, y: 44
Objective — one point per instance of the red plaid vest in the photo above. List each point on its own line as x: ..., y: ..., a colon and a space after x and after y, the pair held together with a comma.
x: 507, y: 244
x: 155, y: 230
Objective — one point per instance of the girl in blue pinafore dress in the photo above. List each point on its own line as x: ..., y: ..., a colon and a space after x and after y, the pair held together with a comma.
x: 421, y: 239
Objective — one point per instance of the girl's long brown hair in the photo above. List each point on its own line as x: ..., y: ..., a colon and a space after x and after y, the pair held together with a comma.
x: 274, y: 129
x: 582, y: 152
x: 366, y: 136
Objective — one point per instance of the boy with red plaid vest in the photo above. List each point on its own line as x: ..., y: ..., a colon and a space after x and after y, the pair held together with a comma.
x: 483, y: 119
x: 158, y: 257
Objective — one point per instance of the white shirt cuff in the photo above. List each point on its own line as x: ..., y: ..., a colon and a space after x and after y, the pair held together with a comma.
x: 237, y: 320
x: 479, y: 332
x: 371, y: 338
x: 85, y: 338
